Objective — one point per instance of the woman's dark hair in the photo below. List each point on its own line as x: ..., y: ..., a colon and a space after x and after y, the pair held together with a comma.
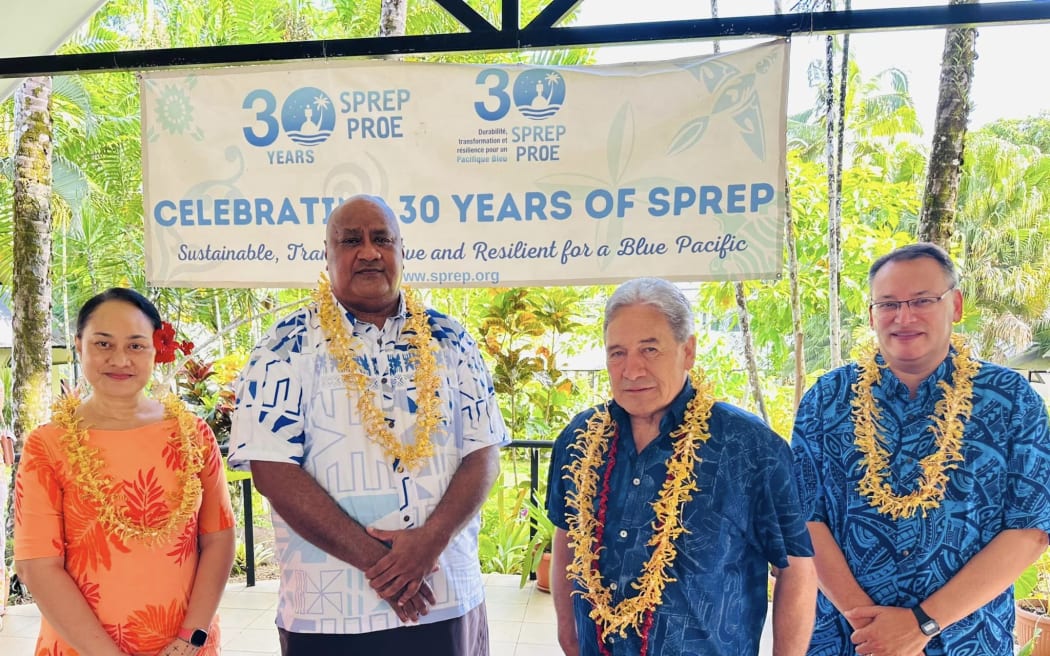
x: 129, y: 296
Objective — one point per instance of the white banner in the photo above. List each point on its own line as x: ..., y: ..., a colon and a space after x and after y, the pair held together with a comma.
x: 499, y: 175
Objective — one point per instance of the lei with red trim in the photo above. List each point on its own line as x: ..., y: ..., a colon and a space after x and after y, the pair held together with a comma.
x: 599, y: 536
x: 597, y: 443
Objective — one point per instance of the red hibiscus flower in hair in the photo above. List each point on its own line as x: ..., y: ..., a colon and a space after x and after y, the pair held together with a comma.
x: 166, y: 345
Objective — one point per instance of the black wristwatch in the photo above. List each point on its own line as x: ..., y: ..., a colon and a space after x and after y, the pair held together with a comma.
x: 196, y: 637
x: 927, y: 624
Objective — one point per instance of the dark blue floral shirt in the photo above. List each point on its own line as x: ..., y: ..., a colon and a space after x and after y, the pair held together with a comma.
x: 745, y: 516
x: 1001, y: 485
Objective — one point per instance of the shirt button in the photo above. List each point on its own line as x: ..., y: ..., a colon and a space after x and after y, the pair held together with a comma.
x: 400, y: 469
x: 623, y: 534
x: 905, y: 553
x: 390, y: 423
x: 383, y: 380
x: 613, y: 586
x: 637, y: 481
x: 407, y: 518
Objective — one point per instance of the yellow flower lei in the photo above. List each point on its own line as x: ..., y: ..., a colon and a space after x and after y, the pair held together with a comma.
x: 593, y: 444
x: 950, y: 415
x: 94, y: 485
x: 341, y: 346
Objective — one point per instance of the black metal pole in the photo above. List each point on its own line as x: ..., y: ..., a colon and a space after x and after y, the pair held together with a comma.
x: 249, y: 533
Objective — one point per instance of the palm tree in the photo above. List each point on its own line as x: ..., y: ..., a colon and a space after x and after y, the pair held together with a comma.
x: 834, y: 107
x: 835, y: 104
x: 878, y: 146
x: 880, y: 115
x: 949, y: 134
x: 393, y: 14
x: 31, y: 245
x: 1002, y: 239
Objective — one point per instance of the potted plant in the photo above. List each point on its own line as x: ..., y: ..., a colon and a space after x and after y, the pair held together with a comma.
x: 1032, y: 595
x: 537, y: 557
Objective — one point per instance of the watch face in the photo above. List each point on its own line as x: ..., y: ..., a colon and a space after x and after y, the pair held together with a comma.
x: 930, y: 628
x: 199, y: 638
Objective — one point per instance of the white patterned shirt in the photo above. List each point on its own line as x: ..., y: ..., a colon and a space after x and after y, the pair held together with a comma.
x: 292, y: 406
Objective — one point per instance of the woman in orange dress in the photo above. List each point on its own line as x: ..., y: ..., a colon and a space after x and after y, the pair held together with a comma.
x: 123, y: 524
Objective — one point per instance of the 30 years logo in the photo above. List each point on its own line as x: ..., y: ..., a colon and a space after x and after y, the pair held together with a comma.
x: 537, y: 93
x: 307, y: 117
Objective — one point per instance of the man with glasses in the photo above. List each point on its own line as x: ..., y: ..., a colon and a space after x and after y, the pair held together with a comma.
x: 923, y: 475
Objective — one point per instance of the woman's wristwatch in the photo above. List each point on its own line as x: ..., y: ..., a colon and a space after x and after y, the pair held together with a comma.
x: 196, y: 637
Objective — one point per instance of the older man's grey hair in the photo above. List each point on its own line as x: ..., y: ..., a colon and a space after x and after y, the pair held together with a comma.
x: 658, y: 293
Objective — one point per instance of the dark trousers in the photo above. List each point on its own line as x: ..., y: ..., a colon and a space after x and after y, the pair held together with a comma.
x: 463, y: 636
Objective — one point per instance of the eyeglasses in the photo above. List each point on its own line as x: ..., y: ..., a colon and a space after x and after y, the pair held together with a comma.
x: 917, y: 305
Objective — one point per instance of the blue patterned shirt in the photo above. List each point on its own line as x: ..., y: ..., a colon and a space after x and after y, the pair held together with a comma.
x: 745, y: 515
x: 292, y: 406
x: 1001, y: 485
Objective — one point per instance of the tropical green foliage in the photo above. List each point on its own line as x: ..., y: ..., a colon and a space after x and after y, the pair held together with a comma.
x: 206, y: 386
x: 524, y: 331
x: 1002, y: 239
x: 98, y: 172
x: 879, y: 113
x: 1033, y: 131
x: 504, y: 535
x: 1032, y: 593
x: 541, y: 538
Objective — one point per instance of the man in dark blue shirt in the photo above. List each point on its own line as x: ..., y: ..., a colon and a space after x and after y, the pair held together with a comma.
x: 669, y: 507
x: 923, y: 472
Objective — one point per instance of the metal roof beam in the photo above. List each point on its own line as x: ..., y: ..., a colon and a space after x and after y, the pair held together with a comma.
x: 552, y: 13
x: 466, y: 15
x: 539, y: 36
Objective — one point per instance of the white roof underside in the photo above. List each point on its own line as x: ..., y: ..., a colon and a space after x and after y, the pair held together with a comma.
x: 38, y: 27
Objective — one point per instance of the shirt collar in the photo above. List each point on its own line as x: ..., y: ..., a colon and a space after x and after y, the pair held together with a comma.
x: 398, y: 317
x: 672, y: 418
x: 892, y: 386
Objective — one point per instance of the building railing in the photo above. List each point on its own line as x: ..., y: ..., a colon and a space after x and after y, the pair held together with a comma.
x: 534, y: 447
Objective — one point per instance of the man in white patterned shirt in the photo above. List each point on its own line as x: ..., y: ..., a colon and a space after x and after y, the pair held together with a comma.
x: 371, y: 425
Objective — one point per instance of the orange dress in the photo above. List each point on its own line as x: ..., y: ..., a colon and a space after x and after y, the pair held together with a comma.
x: 138, y: 591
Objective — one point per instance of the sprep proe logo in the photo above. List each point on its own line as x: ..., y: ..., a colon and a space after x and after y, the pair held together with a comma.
x: 538, y: 94
x: 307, y: 118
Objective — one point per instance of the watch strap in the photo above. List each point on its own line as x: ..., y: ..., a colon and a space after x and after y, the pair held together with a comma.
x: 196, y: 637
x: 927, y: 624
